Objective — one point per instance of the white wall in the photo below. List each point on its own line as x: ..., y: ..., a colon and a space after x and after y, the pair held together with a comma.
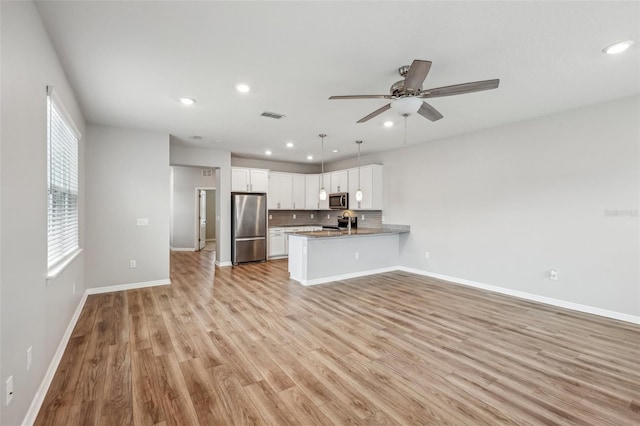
x: 276, y: 166
x: 32, y: 312
x: 221, y: 161
x: 211, y: 215
x: 503, y: 206
x: 185, y: 180
x: 128, y: 179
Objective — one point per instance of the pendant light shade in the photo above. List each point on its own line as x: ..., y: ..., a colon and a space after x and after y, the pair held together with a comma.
x: 359, y: 191
x: 323, y: 192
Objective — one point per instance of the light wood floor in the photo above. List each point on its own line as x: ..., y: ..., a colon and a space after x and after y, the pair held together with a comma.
x: 245, y: 345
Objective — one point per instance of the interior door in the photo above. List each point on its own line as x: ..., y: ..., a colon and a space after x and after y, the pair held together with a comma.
x: 202, y: 236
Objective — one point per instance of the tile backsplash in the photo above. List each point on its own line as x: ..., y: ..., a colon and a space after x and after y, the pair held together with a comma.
x: 372, y: 218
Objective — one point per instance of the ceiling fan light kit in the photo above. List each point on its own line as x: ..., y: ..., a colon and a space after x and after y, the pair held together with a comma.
x: 407, y: 105
x: 407, y: 95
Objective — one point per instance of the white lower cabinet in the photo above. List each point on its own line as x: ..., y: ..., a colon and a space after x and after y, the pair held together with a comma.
x: 277, y: 242
x: 279, y: 239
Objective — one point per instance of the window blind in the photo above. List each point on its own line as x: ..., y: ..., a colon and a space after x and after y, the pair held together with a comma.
x: 62, y: 168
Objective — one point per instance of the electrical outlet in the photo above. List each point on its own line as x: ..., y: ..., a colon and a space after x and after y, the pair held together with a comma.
x: 294, y: 216
x: 382, y: 219
x: 311, y: 215
x: 8, y: 389
x: 427, y: 255
x: 29, y: 352
x: 553, y: 274
x: 362, y: 217
x: 328, y: 216
x: 133, y: 264
x: 357, y: 255
x: 270, y: 217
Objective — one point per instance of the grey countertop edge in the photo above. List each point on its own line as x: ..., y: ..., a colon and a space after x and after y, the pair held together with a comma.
x: 326, y: 237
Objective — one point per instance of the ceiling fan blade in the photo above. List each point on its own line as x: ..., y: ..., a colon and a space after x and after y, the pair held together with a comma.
x: 361, y: 97
x: 375, y: 113
x: 415, y: 76
x: 429, y: 112
x: 459, y: 89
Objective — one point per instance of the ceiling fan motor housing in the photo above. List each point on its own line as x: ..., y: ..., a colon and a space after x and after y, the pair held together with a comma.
x: 398, y: 90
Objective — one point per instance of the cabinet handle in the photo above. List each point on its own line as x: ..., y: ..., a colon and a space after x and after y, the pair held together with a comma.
x: 294, y: 204
x: 278, y: 205
x: 338, y: 188
x: 247, y: 187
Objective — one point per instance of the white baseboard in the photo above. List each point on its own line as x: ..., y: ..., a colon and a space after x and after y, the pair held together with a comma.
x: 38, y: 398
x: 324, y: 280
x: 131, y: 286
x: 528, y: 296
x: 223, y: 264
x: 183, y: 249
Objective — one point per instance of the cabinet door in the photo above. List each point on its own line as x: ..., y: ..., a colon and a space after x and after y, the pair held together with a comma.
x: 285, y: 191
x: 340, y: 181
x: 324, y: 204
x: 240, y: 179
x: 259, y: 181
x: 371, y: 186
x: 273, y: 191
x: 277, y: 244
x: 312, y: 188
x: 312, y: 192
x: 299, y: 185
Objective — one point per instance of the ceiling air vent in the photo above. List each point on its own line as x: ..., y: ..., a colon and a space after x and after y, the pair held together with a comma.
x: 272, y: 115
x: 207, y: 172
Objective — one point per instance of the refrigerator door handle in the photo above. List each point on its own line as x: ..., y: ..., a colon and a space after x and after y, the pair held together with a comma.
x: 250, y: 239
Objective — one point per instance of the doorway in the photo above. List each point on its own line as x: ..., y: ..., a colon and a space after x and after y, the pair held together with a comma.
x: 206, y: 220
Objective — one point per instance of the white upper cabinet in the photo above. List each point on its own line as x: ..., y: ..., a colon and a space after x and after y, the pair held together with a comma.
x: 312, y: 193
x: 280, y: 191
x: 339, y: 181
x: 299, y: 190
x: 249, y: 180
x: 370, y: 185
x: 259, y: 180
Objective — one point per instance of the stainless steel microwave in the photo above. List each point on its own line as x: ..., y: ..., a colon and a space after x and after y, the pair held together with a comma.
x: 339, y: 201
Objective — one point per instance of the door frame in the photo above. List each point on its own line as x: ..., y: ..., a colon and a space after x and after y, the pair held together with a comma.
x: 196, y: 239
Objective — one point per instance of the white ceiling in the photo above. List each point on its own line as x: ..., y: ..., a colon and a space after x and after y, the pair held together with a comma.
x: 130, y: 62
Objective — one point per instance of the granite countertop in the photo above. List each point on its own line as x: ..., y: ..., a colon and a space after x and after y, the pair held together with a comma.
x: 292, y: 226
x: 358, y: 232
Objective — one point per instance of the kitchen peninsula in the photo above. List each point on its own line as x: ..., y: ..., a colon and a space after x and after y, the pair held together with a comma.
x: 324, y: 256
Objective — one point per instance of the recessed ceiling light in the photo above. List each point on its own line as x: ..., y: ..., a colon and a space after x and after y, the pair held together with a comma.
x: 309, y: 157
x: 388, y: 124
x: 242, y: 88
x: 196, y: 137
x: 618, y: 47
x: 289, y: 144
x: 187, y: 101
x: 334, y: 150
x: 267, y: 152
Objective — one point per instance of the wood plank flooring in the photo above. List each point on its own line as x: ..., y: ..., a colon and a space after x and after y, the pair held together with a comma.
x: 245, y: 345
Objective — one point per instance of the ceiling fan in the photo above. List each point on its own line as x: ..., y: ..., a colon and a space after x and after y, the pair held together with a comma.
x: 407, y: 95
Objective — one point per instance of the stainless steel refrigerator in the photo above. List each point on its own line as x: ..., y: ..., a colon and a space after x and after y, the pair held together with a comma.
x: 248, y: 227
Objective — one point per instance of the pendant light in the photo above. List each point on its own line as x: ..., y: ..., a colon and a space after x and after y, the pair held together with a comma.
x: 323, y: 192
x: 359, y: 191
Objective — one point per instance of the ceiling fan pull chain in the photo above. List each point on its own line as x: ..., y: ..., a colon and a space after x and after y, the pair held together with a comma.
x: 405, y: 130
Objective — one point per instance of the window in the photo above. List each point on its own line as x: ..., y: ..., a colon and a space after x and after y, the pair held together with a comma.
x: 62, y: 168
